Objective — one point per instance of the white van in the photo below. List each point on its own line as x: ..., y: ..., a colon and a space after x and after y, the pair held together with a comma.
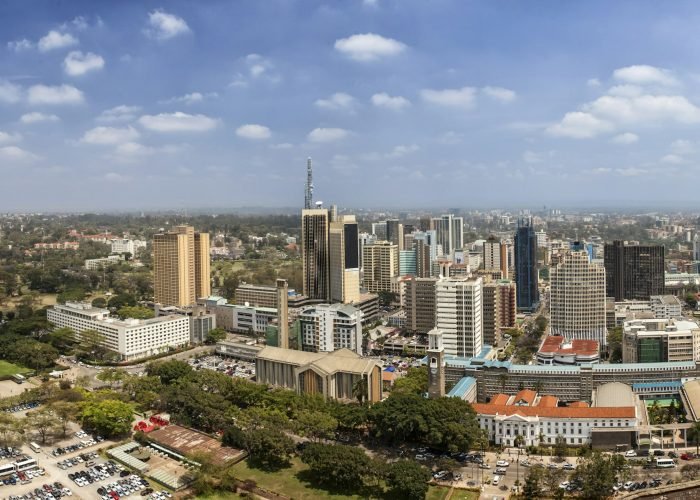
x: 496, y: 480
x: 665, y: 463
x: 35, y: 447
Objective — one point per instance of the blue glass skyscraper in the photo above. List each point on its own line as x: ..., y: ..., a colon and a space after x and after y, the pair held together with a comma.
x: 526, y: 276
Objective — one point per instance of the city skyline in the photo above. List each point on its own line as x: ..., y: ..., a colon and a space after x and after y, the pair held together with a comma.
x: 143, y: 99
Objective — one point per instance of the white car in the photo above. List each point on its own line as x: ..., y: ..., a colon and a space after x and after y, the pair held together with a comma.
x: 630, y: 453
x: 502, y: 463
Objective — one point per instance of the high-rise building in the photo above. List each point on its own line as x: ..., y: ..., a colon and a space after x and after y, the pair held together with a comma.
x: 526, y: 276
x: 458, y: 314
x: 181, y: 266
x: 425, y: 245
x: 450, y: 233
x: 344, y: 259
x: 495, y: 256
x: 315, y: 253
x: 499, y: 310
x: 379, y: 230
x: 329, y: 327
x: 577, y: 298
x: 380, y: 264
x: 633, y: 272
x: 394, y: 233
x: 419, y: 305
x: 407, y: 262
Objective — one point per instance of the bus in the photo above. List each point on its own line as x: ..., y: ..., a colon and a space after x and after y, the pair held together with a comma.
x: 7, y: 469
x: 665, y: 463
x: 35, y: 447
x: 18, y: 378
x: 26, y: 464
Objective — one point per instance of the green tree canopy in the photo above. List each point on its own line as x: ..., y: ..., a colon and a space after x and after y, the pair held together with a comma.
x: 407, y: 479
x: 109, y: 417
x: 135, y: 312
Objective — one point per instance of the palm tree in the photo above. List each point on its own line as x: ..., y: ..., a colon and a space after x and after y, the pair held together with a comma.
x: 360, y: 389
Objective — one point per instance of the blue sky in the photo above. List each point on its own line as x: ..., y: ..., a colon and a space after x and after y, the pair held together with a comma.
x: 401, y: 103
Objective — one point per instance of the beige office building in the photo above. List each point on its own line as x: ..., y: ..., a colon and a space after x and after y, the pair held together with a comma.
x: 181, y: 265
x: 344, y: 259
x: 577, y: 298
x: 420, y: 304
x: 315, y: 253
x: 380, y: 264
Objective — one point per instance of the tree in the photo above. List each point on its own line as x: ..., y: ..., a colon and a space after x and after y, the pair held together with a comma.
x: 414, y: 382
x: 387, y: 298
x: 560, y: 448
x: 121, y: 300
x: 551, y: 479
x: 597, y: 475
x: 215, y: 335
x: 65, y: 413
x: 342, y: 467
x: 694, y: 432
x: 93, y: 345
x: 211, y: 475
x: 532, y: 490
x: 99, y: 302
x: 269, y: 448
x: 169, y: 371
x: 360, y: 389
x: 61, y: 338
x: 316, y: 425
x: 135, y: 312
x: 408, y: 479
x: 43, y: 421
x: 111, y: 376
x: 108, y: 418
x: 615, y: 344
x: 690, y: 471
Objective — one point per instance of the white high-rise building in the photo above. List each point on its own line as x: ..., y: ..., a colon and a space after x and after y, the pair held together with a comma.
x: 458, y: 314
x: 542, y: 240
x: 577, y: 298
x: 329, y: 327
x: 450, y: 232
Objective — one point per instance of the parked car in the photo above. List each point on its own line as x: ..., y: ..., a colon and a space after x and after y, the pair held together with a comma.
x: 502, y: 463
x: 630, y: 453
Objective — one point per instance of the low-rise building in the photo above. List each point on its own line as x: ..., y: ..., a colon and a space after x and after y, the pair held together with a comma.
x: 666, y: 306
x: 243, y: 319
x: 130, y: 338
x: 658, y: 340
x: 340, y: 375
x: 96, y: 264
x: 556, y: 350
x: 539, y: 420
x: 126, y: 245
x: 329, y: 327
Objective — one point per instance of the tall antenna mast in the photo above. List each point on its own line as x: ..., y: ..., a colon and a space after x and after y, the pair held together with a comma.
x: 309, y: 192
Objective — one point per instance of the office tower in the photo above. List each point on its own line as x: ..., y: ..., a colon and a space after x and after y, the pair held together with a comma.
x: 495, y: 256
x: 282, y: 314
x: 329, y: 327
x: 181, y: 269
x: 696, y: 247
x: 424, y: 224
x: 380, y: 263
x: 394, y: 232
x: 344, y: 260
x: 407, y: 239
x: 633, y: 272
x: 450, y: 233
x: 379, y: 230
x: 490, y: 313
x: 436, y: 364
x: 542, y: 240
x: 365, y: 239
x: 315, y: 253
x: 507, y: 292
x: 577, y: 298
x: 526, y: 276
x: 458, y: 313
x: 420, y: 304
x: 407, y: 263
x: 309, y: 191
x: 425, y: 244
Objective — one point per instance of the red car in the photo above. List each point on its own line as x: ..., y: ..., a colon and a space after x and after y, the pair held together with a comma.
x: 687, y: 456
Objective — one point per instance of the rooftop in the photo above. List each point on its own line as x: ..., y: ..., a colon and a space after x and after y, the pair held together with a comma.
x: 187, y: 441
x: 556, y: 344
x: 555, y: 412
x: 462, y: 387
x: 614, y: 394
x: 342, y: 360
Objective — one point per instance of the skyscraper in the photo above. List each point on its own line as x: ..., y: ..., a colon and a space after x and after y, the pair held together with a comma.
x: 315, y: 253
x: 526, y: 277
x: 633, y: 272
x: 419, y: 301
x: 450, y: 233
x: 394, y: 232
x: 425, y: 246
x: 380, y: 264
x: 344, y: 259
x: 577, y: 298
x: 309, y: 191
x: 459, y: 315
x: 181, y: 266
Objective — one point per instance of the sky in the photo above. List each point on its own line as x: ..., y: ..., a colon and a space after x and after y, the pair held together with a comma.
x: 138, y: 105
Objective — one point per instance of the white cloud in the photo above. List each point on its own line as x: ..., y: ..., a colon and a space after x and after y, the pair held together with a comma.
x: 402, y: 150
x: 76, y: 63
x: 368, y: 47
x: 60, y: 94
x: 20, y: 45
x: 643, y: 74
x: 116, y: 177
x: 626, y: 90
x: 395, y: 103
x: 191, y: 98
x: 532, y: 157
x: 10, y: 92
x: 119, y: 114
x: 15, y: 153
x: 673, y: 159
x: 6, y: 137
x: 499, y: 93
x: 455, y: 98
x: 257, y: 67
x: 178, y: 122
x: 593, y: 82
x: 56, y: 40
x: 36, y: 117
x: 110, y: 135
x: 682, y: 147
x: 133, y: 149
x: 626, y: 138
x: 340, y: 101
x: 645, y: 109
x: 579, y: 125
x: 630, y: 171
x: 450, y: 138
x: 253, y: 131
x: 164, y: 26
x: 327, y: 134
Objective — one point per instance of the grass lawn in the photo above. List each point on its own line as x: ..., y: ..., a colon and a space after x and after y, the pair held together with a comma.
x: 286, y: 482
x: 441, y: 492
x: 7, y: 368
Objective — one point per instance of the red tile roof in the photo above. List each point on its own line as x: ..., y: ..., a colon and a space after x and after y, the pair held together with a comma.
x: 555, y: 412
x: 548, y: 402
x: 578, y: 404
x: 553, y: 344
x: 500, y: 399
x: 526, y: 395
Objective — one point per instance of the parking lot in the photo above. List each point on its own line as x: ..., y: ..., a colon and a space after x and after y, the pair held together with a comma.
x: 231, y: 367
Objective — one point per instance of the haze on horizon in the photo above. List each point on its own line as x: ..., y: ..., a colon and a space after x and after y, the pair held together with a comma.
x: 145, y: 105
